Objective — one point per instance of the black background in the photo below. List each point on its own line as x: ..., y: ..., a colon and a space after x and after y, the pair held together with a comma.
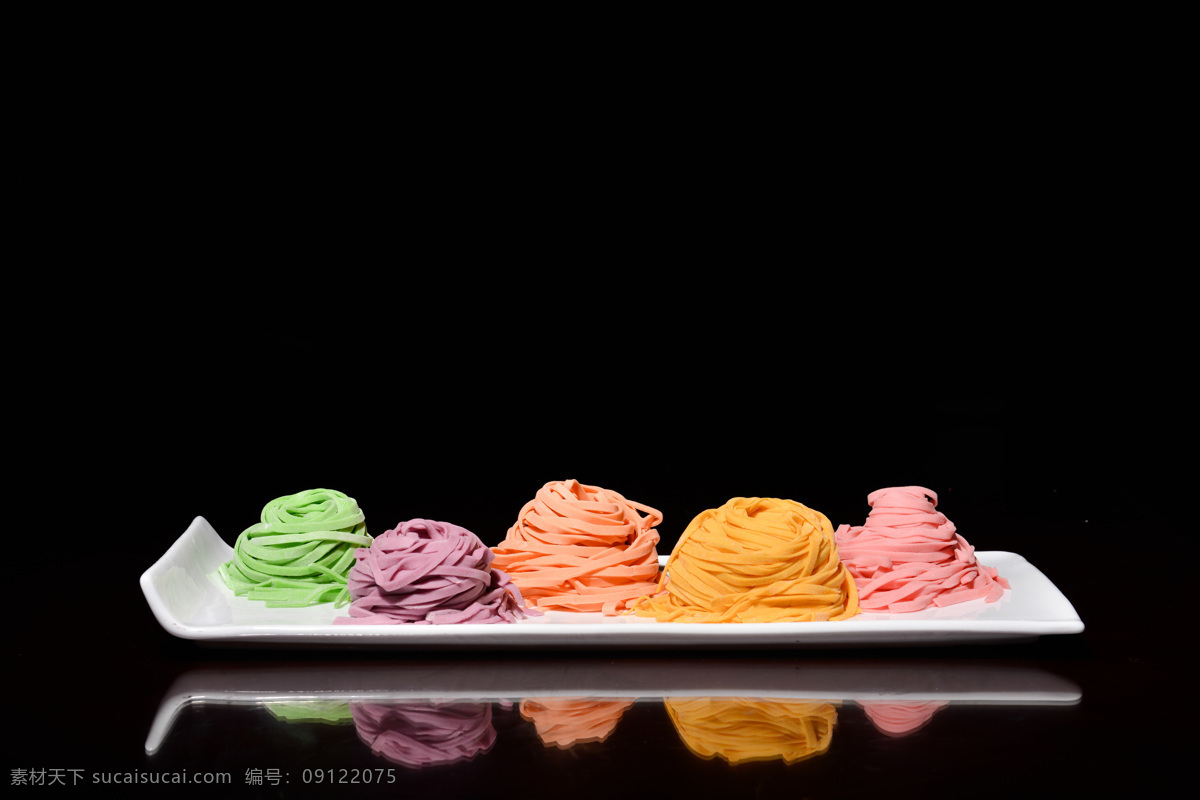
x: 948, y: 275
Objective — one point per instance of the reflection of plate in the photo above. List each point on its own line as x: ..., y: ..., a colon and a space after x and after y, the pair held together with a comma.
x: 190, y: 601
x: 641, y: 679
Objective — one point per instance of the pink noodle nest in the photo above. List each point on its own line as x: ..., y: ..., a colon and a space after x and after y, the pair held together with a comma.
x: 908, y: 556
x: 424, y: 572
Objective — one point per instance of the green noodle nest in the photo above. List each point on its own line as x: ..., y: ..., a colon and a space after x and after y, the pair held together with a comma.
x: 301, y: 552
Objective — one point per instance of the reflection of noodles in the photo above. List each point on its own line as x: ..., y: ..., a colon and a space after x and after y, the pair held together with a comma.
x: 754, y: 559
x: 330, y: 711
x: 424, y: 734
x: 901, y: 719
x: 740, y: 729
x: 566, y: 721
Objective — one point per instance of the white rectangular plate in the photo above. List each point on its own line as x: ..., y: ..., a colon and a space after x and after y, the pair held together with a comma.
x: 190, y: 601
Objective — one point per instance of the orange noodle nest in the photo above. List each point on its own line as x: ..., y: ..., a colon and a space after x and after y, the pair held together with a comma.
x: 576, y: 547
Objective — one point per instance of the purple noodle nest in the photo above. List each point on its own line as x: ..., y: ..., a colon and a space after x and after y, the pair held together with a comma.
x: 429, y: 573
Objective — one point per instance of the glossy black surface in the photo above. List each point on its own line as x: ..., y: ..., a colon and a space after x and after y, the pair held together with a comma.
x: 1060, y: 465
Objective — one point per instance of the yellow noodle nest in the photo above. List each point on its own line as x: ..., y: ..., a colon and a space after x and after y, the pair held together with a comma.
x: 754, y: 559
